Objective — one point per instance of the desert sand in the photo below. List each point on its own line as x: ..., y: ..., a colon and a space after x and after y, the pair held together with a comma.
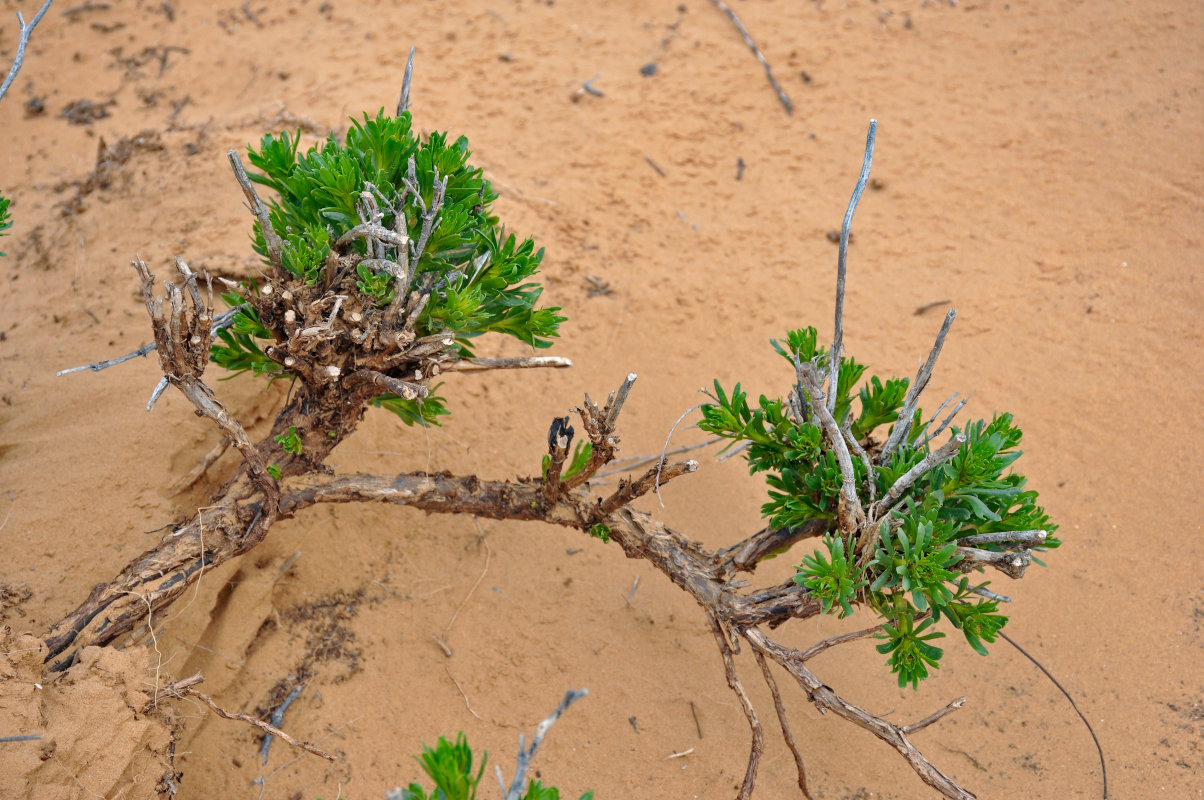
x: 1038, y: 167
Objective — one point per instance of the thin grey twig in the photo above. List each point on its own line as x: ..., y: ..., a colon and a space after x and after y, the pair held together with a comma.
x: 750, y: 713
x: 819, y: 647
x: 748, y: 40
x: 1102, y: 763
x: 156, y: 393
x: 899, y: 433
x: 983, y: 591
x: 274, y: 244
x: 263, y: 726
x: 438, y: 192
x: 403, y: 102
x: 923, y: 431
x: 732, y: 450
x: 945, y: 422
x: 30, y: 736
x: 276, y: 719
x: 635, y: 462
x: 859, y: 451
x: 221, y: 321
x: 516, y: 362
x: 526, y: 754
x: 841, y: 264
x: 660, y: 464
x: 22, y: 41
x: 97, y: 366
x: 934, y: 717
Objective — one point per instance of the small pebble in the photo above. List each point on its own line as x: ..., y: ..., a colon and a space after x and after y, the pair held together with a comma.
x: 648, y: 70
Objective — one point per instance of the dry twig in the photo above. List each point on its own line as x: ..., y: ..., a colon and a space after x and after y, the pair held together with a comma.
x: 22, y: 41
x: 841, y: 263
x: 525, y: 754
x: 748, y: 40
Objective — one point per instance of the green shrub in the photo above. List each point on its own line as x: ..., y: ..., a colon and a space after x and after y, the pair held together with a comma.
x: 912, y: 580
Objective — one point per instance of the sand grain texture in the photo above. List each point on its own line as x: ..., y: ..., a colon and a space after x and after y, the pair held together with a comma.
x: 1040, y: 166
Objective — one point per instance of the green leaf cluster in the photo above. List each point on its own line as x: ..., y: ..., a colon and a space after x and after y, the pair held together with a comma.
x: 450, y: 766
x: 290, y: 442
x: 237, y: 347
x: 831, y: 579
x: 481, y: 273
x: 6, y: 219
x: 910, y: 580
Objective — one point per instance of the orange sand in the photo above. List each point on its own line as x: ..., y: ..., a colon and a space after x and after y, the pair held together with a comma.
x: 1041, y: 168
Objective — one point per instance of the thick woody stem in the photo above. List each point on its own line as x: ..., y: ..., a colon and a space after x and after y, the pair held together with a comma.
x: 744, y: 556
x: 599, y: 424
x: 183, y: 344
x: 371, y: 230
x: 1005, y: 537
x: 614, y: 406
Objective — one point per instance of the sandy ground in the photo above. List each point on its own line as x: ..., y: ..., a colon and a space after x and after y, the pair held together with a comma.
x: 1040, y: 169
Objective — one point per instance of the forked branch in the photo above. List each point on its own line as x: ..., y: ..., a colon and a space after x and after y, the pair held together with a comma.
x: 826, y: 698
x: 26, y: 30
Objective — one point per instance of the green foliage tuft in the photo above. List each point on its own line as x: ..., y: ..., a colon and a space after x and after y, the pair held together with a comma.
x: 600, y: 531
x: 449, y: 765
x: 480, y: 272
x: 833, y: 580
x: 377, y: 285
x: 290, y: 442
x: 6, y: 219
x: 910, y: 580
x: 236, y: 348
x: 907, y: 645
